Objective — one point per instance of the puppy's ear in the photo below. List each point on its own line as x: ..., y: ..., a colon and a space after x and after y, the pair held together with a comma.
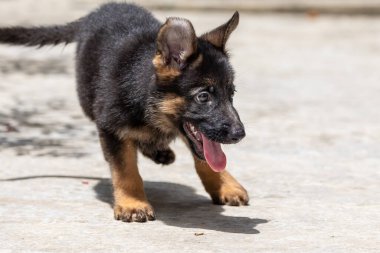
x: 219, y: 36
x: 176, y: 42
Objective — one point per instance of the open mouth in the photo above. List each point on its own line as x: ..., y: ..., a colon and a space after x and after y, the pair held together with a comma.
x: 205, y: 148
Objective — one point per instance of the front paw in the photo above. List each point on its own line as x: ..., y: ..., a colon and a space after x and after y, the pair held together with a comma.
x: 164, y: 157
x: 134, y: 211
x: 232, y: 195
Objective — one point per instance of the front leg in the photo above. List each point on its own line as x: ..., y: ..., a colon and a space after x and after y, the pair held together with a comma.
x: 130, y: 203
x: 160, y: 155
x: 222, y: 187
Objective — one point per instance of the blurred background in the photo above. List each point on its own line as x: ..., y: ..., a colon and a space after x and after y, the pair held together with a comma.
x: 308, y: 91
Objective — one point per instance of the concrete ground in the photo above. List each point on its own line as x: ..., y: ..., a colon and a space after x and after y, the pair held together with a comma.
x: 308, y: 93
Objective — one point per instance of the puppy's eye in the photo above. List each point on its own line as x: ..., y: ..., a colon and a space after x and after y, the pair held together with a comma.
x: 203, y: 97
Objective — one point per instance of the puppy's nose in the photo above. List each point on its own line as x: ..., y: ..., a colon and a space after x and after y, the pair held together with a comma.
x: 237, y: 132
x: 234, y: 132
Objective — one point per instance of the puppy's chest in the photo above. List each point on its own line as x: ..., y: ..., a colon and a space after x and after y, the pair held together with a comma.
x: 148, y: 135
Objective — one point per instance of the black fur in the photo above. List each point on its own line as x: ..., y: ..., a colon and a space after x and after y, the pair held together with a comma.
x: 118, y: 86
x: 144, y: 83
x: 120, y: 89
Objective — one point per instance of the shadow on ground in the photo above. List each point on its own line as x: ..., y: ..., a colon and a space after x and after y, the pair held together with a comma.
x: 23, y: 132
x: 175, y: 205
x: 178, y: 205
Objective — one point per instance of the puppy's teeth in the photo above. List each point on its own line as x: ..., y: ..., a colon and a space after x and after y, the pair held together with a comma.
x: 198, y: 136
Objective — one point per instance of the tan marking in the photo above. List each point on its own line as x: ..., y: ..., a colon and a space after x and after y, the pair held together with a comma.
x: 163, y: 123
x: 138, y: 134
x: 197, y: 62
x: 159, y: 123
x: 171, y: 104
x: 164, y: 72
x: 131, y: 203
x: 222, y: 187
x: 168, y: 108
x: 209, y: 81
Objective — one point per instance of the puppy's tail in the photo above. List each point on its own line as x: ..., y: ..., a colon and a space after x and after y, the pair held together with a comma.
x: 39, y: 36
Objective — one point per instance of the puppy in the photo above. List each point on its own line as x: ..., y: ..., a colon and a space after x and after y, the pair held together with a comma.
x: 145, y: 83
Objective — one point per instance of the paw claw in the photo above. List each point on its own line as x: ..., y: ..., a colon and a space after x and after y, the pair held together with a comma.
x: 141, y: 212
x: 232, y: 196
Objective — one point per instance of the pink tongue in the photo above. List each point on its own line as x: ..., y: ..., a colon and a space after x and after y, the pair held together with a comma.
x: 214, y: 154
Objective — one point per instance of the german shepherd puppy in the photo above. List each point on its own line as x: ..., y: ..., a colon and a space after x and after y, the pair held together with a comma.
x: 145, y: 83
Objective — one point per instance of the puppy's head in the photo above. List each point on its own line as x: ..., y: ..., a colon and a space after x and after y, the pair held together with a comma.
x: 197, y: 82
